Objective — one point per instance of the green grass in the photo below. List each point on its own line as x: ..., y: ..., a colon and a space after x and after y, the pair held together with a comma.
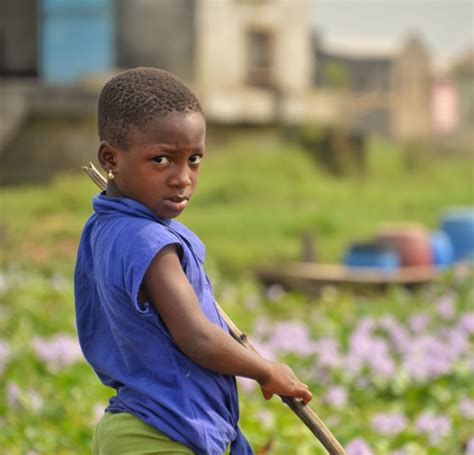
x: 254, y: 200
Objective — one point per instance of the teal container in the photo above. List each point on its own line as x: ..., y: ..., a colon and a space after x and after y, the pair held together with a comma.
x: 371, y: 255
x: 458, y: 224
x: 441, y: 249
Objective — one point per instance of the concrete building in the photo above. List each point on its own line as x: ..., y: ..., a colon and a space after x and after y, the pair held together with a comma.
x: 387, y: 85
x: 250, y: 61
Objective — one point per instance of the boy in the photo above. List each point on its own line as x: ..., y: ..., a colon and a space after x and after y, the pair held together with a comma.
x: 145, y: 310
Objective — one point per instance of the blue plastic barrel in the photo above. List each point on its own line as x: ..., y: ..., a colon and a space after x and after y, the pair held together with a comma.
x: 371, y: 255
x: 442, y: 249
x: 458, y: 224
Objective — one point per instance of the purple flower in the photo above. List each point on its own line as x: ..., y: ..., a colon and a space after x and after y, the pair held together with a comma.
x: 265, y: 349
x: 35, y: 400
x: 97, y: 412
x: 466, y: 408
x: 380, y: 361
x: 251, y: 301
x: 275, y: 292
x: 366, y: 349
x: 399, y: 452
x: 456, y: 343
x: 399, y: 336
x: 13, y: 395
x: 419, y: 322
x: 336, y: 397
x: 246, y: 384
x: 358, y: 447
x: 59, y: 351
x: 445, y: 306
x: 292, y: 337
x: 466, y: 322
x: 261, y: 328
x: 266, y: 417
x: 5, y: 352
x: 436, y: 427
x: 228, y: 293
x: 426, y: 358
x: 470, y: 447
x: 389, y: 424
x: 17, y: 398
x: 327, y: 349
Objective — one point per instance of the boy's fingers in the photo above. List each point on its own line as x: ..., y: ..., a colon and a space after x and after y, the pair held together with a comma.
x: 267, y: 395
x: 306, y: 396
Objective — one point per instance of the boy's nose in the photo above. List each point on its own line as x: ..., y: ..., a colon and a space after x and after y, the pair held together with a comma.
x: 181, y: 178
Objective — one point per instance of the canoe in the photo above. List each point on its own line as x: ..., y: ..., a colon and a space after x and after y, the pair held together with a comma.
x: 311, y: 277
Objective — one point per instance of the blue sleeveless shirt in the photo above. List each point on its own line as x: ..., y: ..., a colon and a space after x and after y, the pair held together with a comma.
x: 128, y: 344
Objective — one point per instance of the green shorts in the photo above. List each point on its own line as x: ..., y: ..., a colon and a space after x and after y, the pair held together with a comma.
x: 125, y: 434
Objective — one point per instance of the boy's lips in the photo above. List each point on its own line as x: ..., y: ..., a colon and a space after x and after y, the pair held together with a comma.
x: 176, y: 202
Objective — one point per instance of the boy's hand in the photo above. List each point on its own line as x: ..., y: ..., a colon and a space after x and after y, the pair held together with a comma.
x: 284, y: 382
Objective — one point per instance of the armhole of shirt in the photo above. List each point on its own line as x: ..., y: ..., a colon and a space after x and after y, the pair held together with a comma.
x: 144, y: 262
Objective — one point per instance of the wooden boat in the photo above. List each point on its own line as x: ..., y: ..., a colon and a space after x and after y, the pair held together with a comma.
x: 311, y: 277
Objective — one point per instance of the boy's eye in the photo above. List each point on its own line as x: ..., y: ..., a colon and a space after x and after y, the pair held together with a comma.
x: 161, y: 159
x: 195, y: 159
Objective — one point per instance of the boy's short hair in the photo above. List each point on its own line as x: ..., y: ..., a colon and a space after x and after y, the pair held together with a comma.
x: 134, y: 97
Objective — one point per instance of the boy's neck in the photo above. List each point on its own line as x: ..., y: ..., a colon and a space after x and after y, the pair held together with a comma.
x: 112, y: 190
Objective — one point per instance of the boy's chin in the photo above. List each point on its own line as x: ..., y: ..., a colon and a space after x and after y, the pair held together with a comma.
x: 168, y: 214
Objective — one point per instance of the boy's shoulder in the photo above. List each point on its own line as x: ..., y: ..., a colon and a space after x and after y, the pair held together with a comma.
x: 125, y: 222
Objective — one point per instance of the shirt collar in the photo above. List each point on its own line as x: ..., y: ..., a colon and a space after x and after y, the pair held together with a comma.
x: 107, y: 205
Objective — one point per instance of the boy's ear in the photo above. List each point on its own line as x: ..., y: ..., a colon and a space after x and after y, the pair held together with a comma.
x: 107, y: 155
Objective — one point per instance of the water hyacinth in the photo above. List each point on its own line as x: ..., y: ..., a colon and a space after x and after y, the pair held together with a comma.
x: 466, y: 322
x: 35, y: 400
x: 336, y: 397
x: 245, y: 384
x: 97, y: 412
x: 13, y: 395
x: 368, y: 350
x: 436, y: 427
x: 5, y: 353
x: 389, y: 424
x: 469, y: 447
x: 17, y: 398
x: 419, y: 322
x: 4, y: 282
x: 378, y: 347
x: 266, y: 418
x: 328, y: 353
x: 59, y: 351
x: 283, y: 338
x: 426, y: 358
x: 358, y: 447
x: 466, y: 408
x: 275, y: 292
x: 445, y: 306
x: 401, y: 451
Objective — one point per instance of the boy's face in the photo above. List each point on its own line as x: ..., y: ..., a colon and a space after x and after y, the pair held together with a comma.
x: 160, y: 167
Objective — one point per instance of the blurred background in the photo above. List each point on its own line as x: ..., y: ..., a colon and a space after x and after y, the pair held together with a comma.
x: 340, y: 137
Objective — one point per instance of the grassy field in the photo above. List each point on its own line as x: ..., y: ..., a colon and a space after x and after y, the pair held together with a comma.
x: 369, y: 361
x: 255, y: 199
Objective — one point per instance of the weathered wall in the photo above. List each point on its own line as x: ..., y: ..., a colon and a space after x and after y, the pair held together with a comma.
x: 222, y: 57
x: 156, y: 33
x: 18, y: 43
x: 411, y: 91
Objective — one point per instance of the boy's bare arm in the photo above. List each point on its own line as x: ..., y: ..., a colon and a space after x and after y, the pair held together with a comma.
x: 204, y: 342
